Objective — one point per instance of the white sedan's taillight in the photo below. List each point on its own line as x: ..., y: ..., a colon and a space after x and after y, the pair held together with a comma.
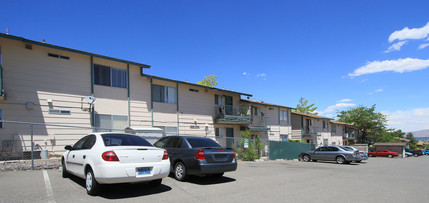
x: 165, y: 155
x: 109, y: 156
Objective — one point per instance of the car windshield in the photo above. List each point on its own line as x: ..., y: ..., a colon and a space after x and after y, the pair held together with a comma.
x: 124, y: 140
x: 197, y: 142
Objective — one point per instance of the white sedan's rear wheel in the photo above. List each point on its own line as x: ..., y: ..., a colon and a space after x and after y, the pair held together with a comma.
x: 91, y: 184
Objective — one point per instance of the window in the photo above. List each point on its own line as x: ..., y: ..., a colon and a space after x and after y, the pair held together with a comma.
x: 283, y: 115
x: 105, y: 122
x: 219, y: 132
x: 197, y: 142
x: 1, y: 118
x: 173, y: 142
x: 284, y: 137
x: 333, y: 128
x: 193, y: 90
x: 164, y: 94
x: 256, y: 111
x: 53, y: 55
x: 124, y: 140
x: 108, y: 76
x: 218, y: 99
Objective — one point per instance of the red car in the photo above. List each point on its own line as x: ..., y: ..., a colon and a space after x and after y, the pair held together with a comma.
x: 383, y: 152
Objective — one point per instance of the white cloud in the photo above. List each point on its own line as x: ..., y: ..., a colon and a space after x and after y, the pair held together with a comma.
x: 334, y: 108
x: 406, y: 33
x: 263, y: 76
x: 422, y: 46
x: 411, y: 120
x: 376, y: 91
x: 345, y: 100
x: 399, y: 66
x: 396, y: 46
x: 245, y: 73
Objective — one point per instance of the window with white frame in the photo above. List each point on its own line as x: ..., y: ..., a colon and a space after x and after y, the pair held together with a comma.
x: 333, y: 128
x: 256, y: 111
x: 219, y: 132
x: 283, y: 115
x: 108, y: 76
x: 218, y: 100
x: 164, y: 94
x: 106, y: 122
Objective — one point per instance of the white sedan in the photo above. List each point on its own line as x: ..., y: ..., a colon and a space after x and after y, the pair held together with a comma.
x: 108, y: 158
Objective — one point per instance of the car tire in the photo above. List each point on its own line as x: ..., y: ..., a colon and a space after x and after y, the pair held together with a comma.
x: 415, y: 155
x: 91, y: 185
x: 155, y: 183
x: 370, y: 155
x: 180, y: 172
x: 340, y: 160
x: 306, y: 158
x: 218, y: 175
x: 65, y: 174
x: 390, y: 156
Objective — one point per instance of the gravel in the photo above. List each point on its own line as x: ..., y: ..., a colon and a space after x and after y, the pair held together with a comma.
x: 23, y: 165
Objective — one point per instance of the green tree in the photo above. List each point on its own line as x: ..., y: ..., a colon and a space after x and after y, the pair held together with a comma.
x: 209, y: 81
x: 371, y: 123
x: 253, y: 150
x: 413, y: 141
x: 303, y: 107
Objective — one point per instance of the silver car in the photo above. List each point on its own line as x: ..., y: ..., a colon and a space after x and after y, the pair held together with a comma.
x: 331, y: 153
x: 363, y: 154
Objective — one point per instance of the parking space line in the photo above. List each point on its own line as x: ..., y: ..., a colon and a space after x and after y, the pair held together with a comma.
x: 49, y: 192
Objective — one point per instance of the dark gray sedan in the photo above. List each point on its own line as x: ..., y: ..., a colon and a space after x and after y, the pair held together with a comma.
x: 197, y: 156
x: 331, y: 153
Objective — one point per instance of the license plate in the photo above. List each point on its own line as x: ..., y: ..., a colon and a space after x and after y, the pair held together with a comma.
x: 143, y: 171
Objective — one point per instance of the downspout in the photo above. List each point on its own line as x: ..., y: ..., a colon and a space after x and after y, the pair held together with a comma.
x: 128, y: 94
x: 151, y: 100
x: 302, y: 128
x: 177, y: 98
x: 92, y: 94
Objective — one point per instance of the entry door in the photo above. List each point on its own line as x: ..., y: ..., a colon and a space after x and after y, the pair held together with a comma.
x: 230, y: 137
x: 228, y: 105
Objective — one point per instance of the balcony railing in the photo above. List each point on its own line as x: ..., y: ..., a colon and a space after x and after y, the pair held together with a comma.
x: 312, y: 131
x: 346, y: 136
x: 232, y: 114
x: 259, y: 123
x: 2, y: 93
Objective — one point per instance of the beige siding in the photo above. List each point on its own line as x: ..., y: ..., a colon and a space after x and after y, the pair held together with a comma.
x: 140, y: 99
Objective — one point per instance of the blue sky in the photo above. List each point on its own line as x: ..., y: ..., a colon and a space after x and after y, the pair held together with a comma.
x: 336, y: 54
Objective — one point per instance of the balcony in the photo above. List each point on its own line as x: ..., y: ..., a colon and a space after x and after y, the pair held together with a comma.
x: 259, y: 123
x: 312, y: 132
x: 232, y: 115
x: 2, y: 92
x: 346, y: 136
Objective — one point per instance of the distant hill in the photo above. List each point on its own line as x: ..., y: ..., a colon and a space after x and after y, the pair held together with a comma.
x: 421, y: 133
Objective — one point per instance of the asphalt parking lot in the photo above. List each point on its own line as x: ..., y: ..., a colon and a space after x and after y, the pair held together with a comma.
x: 376, y: 180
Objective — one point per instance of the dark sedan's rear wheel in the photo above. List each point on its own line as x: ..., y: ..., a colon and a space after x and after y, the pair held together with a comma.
x: 306, y: 158
x: 390, y: 156
x: 340, y: 160
x: 180, y: 171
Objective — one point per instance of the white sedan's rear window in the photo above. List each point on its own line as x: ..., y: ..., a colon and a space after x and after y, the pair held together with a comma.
x: 124, y: 140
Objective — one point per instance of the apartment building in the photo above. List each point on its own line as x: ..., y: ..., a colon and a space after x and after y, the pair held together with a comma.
x: 270, y: 121
x: 313, y: 129
x: 45, y: 83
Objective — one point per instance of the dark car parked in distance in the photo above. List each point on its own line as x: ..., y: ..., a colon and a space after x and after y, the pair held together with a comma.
x: 197, y: 156
x: 415, y: 152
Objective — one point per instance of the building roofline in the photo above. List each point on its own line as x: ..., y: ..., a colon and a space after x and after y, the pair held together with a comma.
x: 311, y: 115
x: 192, y: 84
x: 21, y: 39
x: 265, y: 104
